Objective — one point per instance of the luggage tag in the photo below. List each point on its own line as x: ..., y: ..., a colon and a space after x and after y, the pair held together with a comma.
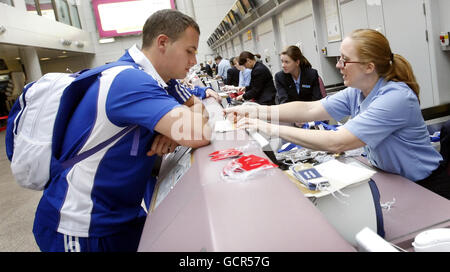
x: 225, y: 154
x: 245, y: 166
x: 311, y: 178
x: 230, y: 168
x: 252, y: 162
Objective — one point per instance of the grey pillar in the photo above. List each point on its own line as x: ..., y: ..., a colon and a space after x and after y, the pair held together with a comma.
x: 30, y: 60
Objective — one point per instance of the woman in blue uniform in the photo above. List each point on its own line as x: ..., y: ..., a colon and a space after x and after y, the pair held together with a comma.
x: 298, y: 81
x: 383, y: 100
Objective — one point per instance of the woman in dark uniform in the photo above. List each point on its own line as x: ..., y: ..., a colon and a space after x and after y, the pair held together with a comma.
x: 261, y: 87
x: 298, y: 81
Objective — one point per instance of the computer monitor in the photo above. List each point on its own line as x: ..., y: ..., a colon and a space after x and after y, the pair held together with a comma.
x: 248, y: 4
x: 240, y: 8
x: 233, y: 20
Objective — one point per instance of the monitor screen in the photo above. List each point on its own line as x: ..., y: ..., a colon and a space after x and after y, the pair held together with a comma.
x: 125, y: 17
x: 223, y: 28
x: 232, y: 18
x: 226, y: 25
x: 228, y: 19
x: 248, y: 4
x: 240, y: 9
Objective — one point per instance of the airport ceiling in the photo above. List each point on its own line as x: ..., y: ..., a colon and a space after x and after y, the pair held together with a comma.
x: 9, y: 52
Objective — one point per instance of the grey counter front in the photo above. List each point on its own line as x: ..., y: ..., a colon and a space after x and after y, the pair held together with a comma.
x: 415, y: 209
x: 203, y: 212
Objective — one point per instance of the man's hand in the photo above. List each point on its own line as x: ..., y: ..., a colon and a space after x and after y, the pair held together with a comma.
x: 162, y: 145
x: 211, y: 93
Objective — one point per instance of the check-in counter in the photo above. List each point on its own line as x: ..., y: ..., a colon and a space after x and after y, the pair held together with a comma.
x: 203, y: 212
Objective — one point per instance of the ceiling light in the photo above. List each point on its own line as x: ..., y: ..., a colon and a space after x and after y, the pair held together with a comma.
x: 107, y: 40
x: 79, y: 44
x: 65, y: 42
x: 44, y: 58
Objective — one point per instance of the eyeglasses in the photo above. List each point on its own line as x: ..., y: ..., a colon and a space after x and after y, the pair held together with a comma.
x: 344, y: 62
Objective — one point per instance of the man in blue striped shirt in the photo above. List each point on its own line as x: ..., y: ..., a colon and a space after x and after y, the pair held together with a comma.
x: 96, y: 204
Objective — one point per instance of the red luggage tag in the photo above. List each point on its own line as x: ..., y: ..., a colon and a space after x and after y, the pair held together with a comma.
x: 246, y: 166
x: 236, y: 94
x: 218, y: 152
x: 224, y: 154
x: 251, y: 162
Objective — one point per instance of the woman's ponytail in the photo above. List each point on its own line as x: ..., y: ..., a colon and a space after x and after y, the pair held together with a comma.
x: 402, y: 71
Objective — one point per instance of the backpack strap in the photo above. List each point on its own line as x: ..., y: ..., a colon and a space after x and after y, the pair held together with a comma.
x: 70, y: 100
x: 72, y: 161
x: 89, y: 75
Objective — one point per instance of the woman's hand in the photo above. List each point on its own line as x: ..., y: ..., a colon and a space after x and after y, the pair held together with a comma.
x: 162, y: 145
x: 257, y: 125
x: 234, y: 114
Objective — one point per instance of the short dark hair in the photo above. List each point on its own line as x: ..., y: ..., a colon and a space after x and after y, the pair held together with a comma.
x: 218, y: 58
x: 170, y: 22
x: 232, y: 60
x: 244, y: 56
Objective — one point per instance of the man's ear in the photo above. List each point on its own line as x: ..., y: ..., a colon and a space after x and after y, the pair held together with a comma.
x: 162, y: 41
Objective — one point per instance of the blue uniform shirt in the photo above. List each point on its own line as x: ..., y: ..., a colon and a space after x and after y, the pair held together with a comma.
x: 222, y: 68
x: 390, y: 122
x: 102, y: 195
x: 245, y: 77
x: 297, y: 83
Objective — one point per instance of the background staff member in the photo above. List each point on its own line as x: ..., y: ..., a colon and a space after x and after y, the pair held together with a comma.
x: 298, y: 81
x: 222, y: 67
x: 245, y: 75
x: 208, y: 68
x: 261, y: 87
x: 233, y: 74
x: 383, y: 100
x: 244, y: 78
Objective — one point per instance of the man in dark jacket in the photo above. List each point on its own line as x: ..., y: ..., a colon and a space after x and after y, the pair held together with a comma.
x: 233, y: 73
x: 208, y: 69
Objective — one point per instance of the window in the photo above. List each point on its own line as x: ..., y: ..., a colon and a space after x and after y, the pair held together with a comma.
x: 8, y: 2
x: 73, y: 11
x: 67, y: 12
x: 62, y: 12
x: 46, y: 9
x: 31, y: 7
